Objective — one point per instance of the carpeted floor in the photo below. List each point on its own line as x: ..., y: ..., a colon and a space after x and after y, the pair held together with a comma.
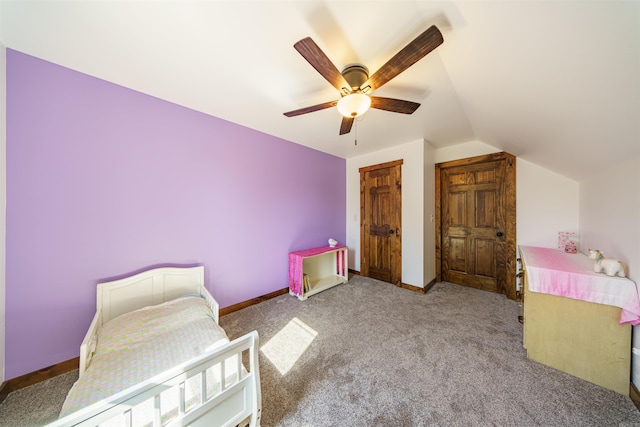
x: 36, y: 405
x: 385, y: 356
x: 369, y: 354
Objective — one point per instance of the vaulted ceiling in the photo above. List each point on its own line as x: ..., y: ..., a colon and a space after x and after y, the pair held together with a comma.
x: 556, y: 83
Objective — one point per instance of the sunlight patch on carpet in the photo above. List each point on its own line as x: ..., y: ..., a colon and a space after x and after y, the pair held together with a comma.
x: 286, y: 347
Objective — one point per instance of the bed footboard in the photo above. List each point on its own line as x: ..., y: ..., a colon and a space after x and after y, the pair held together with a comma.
x: 213, y: 304
x: 226, y: 393
x: 89, y: 342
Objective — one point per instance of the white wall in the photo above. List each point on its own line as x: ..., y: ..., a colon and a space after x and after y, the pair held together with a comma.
x: 610, y: 214
x: 546, y: 204
x: 429, y: 214
x: 412, y: 155
x: 462, y: 151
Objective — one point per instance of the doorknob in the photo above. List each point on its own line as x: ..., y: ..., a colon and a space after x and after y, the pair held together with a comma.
x: 499, y: 234
x: 391, y: 231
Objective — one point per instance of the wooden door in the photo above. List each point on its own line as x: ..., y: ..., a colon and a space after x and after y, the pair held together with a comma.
x: 475, y: 227
x: 380, y: 224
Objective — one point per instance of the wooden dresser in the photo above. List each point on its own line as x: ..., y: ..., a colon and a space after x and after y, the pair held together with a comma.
x: 571, y: 322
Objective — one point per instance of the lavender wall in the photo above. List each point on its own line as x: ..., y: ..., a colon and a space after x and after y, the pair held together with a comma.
x: 103, y: 181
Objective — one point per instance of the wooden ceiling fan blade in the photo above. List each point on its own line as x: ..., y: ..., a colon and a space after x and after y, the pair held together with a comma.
x: 311, y: 109
x: 321, y: 62
x: 394, y: 105
x: 409, y: 55
x: 345, y: 126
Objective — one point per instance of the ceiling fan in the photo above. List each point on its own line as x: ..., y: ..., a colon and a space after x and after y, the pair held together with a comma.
x: 354, y: 83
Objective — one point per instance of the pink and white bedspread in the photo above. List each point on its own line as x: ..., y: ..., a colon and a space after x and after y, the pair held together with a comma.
x: 136, y: 346
x: 551, y: 271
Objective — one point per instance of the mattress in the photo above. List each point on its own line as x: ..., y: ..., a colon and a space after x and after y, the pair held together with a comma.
x: 136, y: 346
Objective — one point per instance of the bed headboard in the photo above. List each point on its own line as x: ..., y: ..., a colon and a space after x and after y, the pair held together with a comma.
x: 147, y: 288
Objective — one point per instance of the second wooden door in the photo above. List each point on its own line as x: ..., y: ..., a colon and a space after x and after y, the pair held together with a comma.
x: 476, y: 232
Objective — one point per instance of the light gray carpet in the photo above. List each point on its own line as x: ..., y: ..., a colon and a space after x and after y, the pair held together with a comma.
x: 384, y: 356
x: 38, y: 404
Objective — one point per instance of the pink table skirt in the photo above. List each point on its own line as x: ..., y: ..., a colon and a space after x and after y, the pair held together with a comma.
x: 551, y: 271
x: 295, y: 265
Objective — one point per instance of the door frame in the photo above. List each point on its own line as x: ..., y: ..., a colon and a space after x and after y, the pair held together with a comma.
x: 509, y: 191
x: 397, y: 254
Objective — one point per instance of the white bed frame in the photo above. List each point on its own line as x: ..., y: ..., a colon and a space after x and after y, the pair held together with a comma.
x: 237, y: 404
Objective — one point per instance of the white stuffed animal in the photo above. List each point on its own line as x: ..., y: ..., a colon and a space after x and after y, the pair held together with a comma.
x: 610, y: 267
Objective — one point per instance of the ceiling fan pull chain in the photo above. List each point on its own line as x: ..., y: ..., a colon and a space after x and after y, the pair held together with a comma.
x: 356, y: 133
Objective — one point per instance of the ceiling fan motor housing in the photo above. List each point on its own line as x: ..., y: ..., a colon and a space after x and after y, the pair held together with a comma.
x: 355, y: 75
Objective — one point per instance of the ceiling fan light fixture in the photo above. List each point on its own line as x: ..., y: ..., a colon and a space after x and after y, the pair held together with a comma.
x: 354, y: 104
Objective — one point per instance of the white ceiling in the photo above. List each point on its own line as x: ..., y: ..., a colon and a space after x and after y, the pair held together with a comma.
x: 554, y: 82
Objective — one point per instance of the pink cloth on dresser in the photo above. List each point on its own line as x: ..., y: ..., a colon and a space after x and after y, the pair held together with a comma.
x: 295, y: 265
x: 551, y: 271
